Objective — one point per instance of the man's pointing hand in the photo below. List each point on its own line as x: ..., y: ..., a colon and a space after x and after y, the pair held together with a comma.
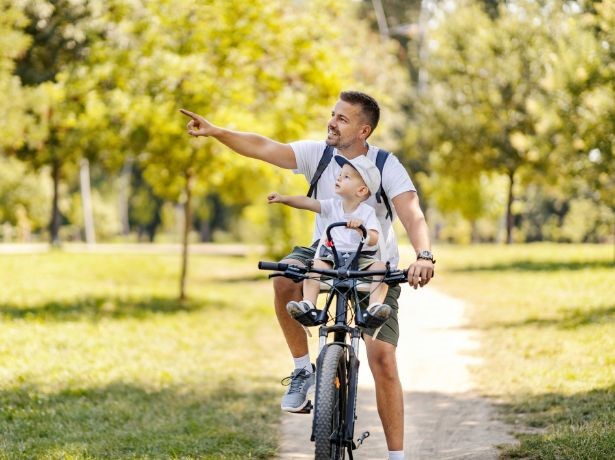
x: 197, y: 126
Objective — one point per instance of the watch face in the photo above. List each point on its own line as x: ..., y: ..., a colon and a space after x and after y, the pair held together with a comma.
x: 425, y: 255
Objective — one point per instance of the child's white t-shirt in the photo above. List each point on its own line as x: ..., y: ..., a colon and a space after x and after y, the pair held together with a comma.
x: 344, y: 238
x: 395, y: 180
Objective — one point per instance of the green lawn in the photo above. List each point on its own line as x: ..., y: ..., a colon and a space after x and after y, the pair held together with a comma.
x: 99, y: 360
x: 547, y: 314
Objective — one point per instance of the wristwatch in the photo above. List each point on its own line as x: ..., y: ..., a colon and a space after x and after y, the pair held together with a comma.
x: 426, y: 255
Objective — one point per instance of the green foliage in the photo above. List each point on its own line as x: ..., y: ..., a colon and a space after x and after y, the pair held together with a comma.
x: 62, y: 94
x: 24, y: 197
x: 256, y: 66
x: 526, y: 94
x: 577, y: 114
x: 12, y: 43
x: 105, y: 80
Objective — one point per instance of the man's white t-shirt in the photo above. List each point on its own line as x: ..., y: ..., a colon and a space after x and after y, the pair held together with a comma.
x: 347, y: 239
x: 395, y: 180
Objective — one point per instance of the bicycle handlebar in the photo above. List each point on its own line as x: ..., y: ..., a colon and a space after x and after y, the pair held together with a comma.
x: 299, y: 273
x: 275, y: 266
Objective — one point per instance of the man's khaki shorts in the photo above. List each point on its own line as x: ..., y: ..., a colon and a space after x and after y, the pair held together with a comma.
x: 389, y: 332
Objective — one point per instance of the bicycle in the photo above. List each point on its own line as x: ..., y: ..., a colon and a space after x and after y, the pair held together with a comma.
x: 337, y: 366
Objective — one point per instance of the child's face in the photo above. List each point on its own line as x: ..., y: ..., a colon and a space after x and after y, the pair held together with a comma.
x: 349, y: 184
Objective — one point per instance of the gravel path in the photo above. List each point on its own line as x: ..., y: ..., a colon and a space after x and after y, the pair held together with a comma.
x: 444, y: 417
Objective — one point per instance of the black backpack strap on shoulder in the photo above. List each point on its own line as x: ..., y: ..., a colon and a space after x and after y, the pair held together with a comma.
x: 325, y: 159
x: 381, y: 158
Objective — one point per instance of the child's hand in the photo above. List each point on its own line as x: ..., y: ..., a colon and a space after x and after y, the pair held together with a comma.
x: 274, y: 197
x: 354, y: 223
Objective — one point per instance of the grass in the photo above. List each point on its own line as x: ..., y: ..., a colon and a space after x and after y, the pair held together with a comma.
x: 99, y: 360
x: 547, y: 316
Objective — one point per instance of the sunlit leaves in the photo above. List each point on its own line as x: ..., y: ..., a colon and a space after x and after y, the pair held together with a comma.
x: 527, y: 94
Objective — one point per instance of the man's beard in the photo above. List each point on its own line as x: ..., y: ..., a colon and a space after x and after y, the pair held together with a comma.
x: 337, y: 143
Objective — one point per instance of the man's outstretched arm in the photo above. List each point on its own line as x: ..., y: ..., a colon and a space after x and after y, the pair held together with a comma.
x: 247, y: 144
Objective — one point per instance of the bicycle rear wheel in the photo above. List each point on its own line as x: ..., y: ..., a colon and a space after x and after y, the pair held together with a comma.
x: 330, y: 404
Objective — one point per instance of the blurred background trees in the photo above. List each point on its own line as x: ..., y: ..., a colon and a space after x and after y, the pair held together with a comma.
x: 503, y: 111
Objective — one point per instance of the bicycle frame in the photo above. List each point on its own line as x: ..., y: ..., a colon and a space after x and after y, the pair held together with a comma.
x: 345, y: 278
x: 341, y: 330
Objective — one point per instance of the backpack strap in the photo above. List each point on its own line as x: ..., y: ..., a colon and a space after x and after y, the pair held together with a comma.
x: 325, y: 159
x: 381, y: 196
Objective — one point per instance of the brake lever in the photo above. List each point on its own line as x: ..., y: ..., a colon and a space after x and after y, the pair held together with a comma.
x: 396, y: 277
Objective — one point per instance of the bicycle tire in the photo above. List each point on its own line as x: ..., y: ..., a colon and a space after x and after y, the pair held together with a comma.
x: 330, y: 404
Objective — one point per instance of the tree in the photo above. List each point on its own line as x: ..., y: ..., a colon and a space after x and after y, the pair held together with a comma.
x: 257, y: 65
x: 512, y: 94
x: 62, y: 97
x: 13, y: 42
x: 23, y: 201
x: 577, y: 126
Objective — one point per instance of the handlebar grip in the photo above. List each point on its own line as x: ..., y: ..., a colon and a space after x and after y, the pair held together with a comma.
x: 272, y: 266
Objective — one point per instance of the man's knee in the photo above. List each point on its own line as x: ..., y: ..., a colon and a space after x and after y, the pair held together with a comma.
x: 284, y: 287
x: 384, y: 364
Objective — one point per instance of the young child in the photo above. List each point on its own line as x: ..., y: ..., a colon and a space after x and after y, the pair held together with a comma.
x: 358, y: 179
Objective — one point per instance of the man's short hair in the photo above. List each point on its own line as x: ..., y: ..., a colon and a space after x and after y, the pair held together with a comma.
x: 368, y: 104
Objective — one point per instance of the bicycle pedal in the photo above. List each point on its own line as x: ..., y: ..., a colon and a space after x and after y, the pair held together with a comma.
x: 362, y: 438
x: 307, y: 319
x: 307, y: 409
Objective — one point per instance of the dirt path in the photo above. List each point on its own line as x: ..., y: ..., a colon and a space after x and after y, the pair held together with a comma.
x: 444, y: 417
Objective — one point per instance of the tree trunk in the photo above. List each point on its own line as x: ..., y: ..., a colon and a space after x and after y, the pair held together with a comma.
x: 186, y: 234
x: 383, y: 27
x: 86, y: 202
x: 509, y: 215
x: 205, y: 230
x: 54, y: 224
x: 474, y: 232
x: 124, y: 184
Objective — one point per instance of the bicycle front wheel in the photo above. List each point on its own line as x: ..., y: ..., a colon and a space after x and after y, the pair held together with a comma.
x: 330, y: 404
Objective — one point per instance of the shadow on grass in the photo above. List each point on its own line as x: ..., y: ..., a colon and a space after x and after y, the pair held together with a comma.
x: 126, y: 421
x: 96, y: 308
x: 240, y: 279
x: 578, y: 426
x: 537, y: 266
x: 571, y: 320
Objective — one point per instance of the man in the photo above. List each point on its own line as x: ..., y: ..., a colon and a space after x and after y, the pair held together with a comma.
x: 353, y: 119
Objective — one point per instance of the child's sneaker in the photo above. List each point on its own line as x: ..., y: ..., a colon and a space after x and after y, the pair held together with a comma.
x: 304, y: 311
x: 376, y: 314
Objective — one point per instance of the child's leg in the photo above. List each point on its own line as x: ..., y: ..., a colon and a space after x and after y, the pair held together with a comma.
x: 311, y: 287
x: 378, y: 290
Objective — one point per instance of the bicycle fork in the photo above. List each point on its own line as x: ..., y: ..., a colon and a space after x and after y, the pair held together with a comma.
x: 353, y: 381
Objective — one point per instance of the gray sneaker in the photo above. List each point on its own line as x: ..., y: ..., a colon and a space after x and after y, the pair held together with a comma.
x: 300, y: 382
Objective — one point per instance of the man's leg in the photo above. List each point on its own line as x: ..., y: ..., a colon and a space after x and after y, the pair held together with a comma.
x: 389, y: 393
x: 302, y: 379
x: 286, y: 290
